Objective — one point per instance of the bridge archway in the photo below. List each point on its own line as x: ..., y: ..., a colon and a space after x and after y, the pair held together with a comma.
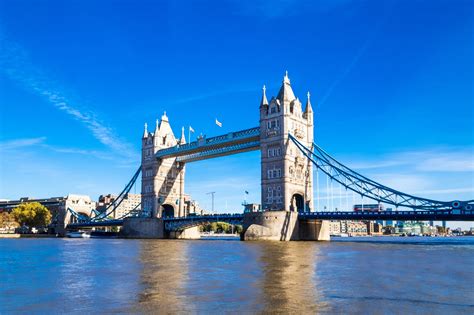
x: 297, y: 203
x: 167, y: 211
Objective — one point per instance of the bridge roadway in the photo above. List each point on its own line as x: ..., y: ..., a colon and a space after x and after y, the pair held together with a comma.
x: 176, y: 224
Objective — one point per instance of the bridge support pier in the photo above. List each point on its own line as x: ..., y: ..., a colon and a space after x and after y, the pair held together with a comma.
x: 188, y: 234
x: 282, y: 226
x: 143, y: 228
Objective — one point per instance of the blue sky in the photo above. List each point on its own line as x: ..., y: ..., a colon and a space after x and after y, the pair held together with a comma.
x: 391, y: 84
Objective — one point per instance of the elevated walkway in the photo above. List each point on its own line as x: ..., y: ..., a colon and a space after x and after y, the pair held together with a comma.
x: 207, y: 148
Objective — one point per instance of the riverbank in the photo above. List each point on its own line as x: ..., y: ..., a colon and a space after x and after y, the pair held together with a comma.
x: 16, y: 235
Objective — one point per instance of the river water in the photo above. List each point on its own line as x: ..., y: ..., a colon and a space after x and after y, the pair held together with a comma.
x: 353, y: 275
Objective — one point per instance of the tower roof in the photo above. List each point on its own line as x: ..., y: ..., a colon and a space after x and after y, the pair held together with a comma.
x: 286, y: 92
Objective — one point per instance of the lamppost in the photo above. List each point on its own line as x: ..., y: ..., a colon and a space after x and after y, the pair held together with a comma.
x: 212, y: 196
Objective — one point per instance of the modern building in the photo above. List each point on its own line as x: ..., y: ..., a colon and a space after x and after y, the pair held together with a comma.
x: 374, y: 228
x: 131, y: 202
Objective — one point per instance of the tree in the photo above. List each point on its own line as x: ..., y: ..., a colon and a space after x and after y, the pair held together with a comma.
x: 7, y: 220
x: 32, y: 214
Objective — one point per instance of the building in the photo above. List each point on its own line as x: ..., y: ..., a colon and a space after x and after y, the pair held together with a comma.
x: 287, y: 176
x: 334, y: 227
x: 58, y: 206
x: 374, y: 228
x: 131, y: 202
x: 162, y: 179
x: 252, y: 207
x: 356, y: 228
x: 191, y: 207
x: 416, y: 228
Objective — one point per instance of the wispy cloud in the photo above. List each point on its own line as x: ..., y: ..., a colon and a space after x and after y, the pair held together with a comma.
x: 448, y: 159
x: 15, y: 64
x: 20, y: 143
x: 17, y: 145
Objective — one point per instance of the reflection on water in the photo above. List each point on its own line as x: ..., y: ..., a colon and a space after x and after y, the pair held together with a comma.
x: 289, y: 282
x: 198, y: 276
x: 163, y: 276
x: 167, y: 277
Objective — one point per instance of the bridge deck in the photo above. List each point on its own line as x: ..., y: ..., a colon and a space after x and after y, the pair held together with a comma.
x: 206, y: 148
x: 185, y: 222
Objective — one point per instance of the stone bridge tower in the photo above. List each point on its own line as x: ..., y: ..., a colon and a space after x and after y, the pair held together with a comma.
x: 162, y: 179
x: 287, y: 176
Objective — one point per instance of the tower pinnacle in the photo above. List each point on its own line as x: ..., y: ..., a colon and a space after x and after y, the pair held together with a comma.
x: 309, y: 108
x: 286, y: 79
x: 183, y: 138
x: 145, y: 132
x: 264, y: 97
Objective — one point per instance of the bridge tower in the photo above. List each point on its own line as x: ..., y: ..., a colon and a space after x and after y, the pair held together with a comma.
x: 162, y: 179
x: 287, y: 176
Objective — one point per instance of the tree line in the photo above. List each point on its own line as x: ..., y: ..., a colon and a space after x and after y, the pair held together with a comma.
x: 221, y: 227
x: 30, y: 214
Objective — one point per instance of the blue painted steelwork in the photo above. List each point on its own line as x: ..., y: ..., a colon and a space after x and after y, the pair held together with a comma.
x: 179, y: 224
x: 205, y: 148
x: 434, y: 215
x: 91, y: 224
x: 79, y: 217
x: 366, y: 187
x: 103, y: 217
x: 123, y: 194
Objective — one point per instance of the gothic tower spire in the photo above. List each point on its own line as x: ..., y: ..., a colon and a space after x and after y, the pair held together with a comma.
x: 264, y: 101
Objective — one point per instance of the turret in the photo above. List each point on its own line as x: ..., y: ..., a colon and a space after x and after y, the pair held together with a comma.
x: 264, y: 101
x: 183, y: 138
x: 308, y: 112
x: 157, y: 127
x: 145, y: 132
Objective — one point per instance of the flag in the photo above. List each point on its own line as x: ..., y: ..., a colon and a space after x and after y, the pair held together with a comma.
x: 191, y: 129
x: 218, y: 123
x: 247, y: 192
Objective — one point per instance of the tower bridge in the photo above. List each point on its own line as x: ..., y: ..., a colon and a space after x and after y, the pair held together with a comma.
x: 285, y: 139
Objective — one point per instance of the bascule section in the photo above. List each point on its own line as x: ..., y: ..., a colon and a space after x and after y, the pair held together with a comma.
x: 163, y: 178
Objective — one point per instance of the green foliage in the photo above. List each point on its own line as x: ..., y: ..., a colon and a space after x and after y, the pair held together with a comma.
x: 32, y: 214
x: 221, y: 227
x: 7, y: 220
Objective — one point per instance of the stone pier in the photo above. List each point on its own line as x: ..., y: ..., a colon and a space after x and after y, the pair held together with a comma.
x: 283, y: 226
x: 154, y: 228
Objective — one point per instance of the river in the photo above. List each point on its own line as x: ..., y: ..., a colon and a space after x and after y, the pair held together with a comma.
x: 352, y: 275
